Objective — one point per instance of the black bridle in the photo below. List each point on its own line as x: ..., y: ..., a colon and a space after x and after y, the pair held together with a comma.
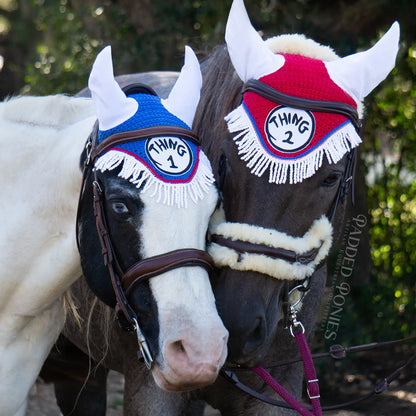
x: 345, y: 186
x: 336, y: 352
x: 259, y: 87
x: 344, y: 109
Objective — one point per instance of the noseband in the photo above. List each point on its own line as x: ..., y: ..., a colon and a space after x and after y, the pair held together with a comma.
x: 122, y: 281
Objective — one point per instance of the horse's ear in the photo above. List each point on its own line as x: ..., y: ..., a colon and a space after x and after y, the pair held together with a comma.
x: 184, y: 97
x: 111, y: 104
x: 248, y: 52
x: 360, y: 73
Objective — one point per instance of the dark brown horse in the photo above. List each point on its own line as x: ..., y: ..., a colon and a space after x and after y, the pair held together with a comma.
x: 282, y: 203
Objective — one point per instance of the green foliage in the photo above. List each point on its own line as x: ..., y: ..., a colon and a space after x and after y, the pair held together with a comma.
x: 390, y: 155
x: 73, y: 33
x: 59, y: 39
x: 65, y: 52
x: 386, y: 307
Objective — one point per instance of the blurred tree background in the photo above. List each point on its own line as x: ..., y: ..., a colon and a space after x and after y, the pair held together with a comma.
x: 48, y: 46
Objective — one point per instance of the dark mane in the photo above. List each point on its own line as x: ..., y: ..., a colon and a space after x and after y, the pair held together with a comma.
x: 222, y: 85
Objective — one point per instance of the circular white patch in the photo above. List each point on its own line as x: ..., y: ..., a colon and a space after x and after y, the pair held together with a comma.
x: 289, y: 129
x: 170, y: 155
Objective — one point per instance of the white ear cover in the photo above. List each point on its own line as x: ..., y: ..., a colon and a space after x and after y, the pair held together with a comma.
x: 184, y: 97
x: 111, y: 104
x: 249, y: 54
x: 360, y: 73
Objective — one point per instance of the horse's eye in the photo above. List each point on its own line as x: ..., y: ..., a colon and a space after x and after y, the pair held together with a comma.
x: 331, y: 179
x: 119, y: 207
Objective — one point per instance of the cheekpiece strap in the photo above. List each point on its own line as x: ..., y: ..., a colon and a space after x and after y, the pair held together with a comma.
x: 278, y: 97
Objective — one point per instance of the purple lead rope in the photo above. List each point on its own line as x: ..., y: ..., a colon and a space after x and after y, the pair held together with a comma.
x: 311, y: 380
x: 310, y: 373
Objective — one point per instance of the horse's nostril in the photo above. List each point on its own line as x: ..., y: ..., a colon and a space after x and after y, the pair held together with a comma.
x: 256, y: 336
x: 178, y: 347
x: 258, y: 330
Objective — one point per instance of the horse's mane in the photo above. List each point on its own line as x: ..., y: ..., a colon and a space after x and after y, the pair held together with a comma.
x: 82, y: 309
x: 220, y: 94
x: 53, y: 111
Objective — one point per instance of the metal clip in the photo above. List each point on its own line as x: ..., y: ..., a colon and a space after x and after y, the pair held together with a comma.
x: 97, y: 187
x: 294, y: 322
x: 302, y: 289
x: 88, y: 150
x: 144, y: 347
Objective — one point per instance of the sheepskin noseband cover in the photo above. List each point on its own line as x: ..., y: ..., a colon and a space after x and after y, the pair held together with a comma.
x: 319, y: 236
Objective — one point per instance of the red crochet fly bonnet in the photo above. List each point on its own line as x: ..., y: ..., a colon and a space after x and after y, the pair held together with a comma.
x: 297, y: 109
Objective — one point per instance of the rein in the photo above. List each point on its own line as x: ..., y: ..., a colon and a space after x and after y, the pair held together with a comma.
x: 124, y: 281
x: 336, y: 352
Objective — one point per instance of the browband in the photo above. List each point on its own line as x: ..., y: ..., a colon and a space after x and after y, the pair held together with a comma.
x: 278, y: 97
x: 130, y: 136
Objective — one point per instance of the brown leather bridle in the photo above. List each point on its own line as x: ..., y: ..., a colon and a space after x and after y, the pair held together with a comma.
x: 124, y: 281
x: 346, y: 183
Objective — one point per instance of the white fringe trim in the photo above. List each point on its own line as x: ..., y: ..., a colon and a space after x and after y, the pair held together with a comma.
x: 319, y: 233
x: 165, y: 192
x: 281, y: 170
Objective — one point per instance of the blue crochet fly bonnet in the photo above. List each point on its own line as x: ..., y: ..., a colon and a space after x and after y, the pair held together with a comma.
x: 171, y: 167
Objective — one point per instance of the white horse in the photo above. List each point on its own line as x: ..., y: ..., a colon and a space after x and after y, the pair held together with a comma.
x: 41, y: 141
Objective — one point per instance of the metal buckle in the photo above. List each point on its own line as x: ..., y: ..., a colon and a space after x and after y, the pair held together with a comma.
x: 307, y: 389
x: 294, y: 323
x: 144, y: 347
